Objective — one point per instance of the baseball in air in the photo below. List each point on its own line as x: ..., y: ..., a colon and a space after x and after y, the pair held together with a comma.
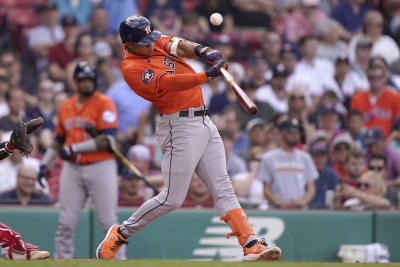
x: 216, y: 19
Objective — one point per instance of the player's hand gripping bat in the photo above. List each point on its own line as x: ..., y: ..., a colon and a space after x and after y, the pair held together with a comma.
x: 241, y: 95
x: 138, y: 173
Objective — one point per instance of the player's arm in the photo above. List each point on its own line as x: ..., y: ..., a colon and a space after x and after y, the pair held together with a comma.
x: 183, y: 48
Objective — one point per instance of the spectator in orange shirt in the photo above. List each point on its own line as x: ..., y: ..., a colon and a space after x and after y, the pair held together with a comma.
x: 379, y: 105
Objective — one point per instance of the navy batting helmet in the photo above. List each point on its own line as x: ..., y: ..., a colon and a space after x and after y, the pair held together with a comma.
x: 84, y: 70
x: 138, y: 30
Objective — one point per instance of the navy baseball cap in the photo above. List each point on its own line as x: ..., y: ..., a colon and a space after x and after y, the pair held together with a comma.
x: 69, y: 20
x: 138, y: 30
x: 318, y: 148
x: 280, y: 71
x: 290, y: 125
x: 374, y: 135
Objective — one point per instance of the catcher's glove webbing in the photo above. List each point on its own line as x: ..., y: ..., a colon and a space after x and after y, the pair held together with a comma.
x: 18, y: 137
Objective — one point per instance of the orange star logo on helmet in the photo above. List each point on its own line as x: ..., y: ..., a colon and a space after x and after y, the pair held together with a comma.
x: 147, y: 30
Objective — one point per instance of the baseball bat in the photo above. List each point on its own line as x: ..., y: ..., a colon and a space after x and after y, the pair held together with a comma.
x: 138, y: 173
x: 241, y: 95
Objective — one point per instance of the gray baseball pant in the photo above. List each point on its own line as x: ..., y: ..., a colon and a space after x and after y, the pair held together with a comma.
x: 188, y: 144
x: 78, y: 182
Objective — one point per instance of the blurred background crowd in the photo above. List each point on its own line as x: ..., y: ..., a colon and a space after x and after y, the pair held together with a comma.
x: 325, y: 75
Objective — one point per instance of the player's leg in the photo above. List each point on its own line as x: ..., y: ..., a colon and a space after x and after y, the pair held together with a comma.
x: 102, y: 183
x: 212, y: 170
x: 182, y: 142
x: 72, y: 197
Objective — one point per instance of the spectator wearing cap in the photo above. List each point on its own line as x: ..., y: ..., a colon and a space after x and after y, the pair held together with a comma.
x: 48, y: 33
x: 375, y: 139
x: 359, y: 64
x: 234, y: 164
x: 265, y: 111
x: 382, y: 45
x: 61, y: 53
x: 380, y: 105
x: 289, y: 57
x: 258, y: 69
x: 350, y: 14
x: 288, y: 173
x: 131, y: 190
x: 342, y: 143
x: 327, y: 179
x: 255, y: 131
x: 275, y: 93
x: 355, y: 126
x: 313, y: 74
x: 329, y: 119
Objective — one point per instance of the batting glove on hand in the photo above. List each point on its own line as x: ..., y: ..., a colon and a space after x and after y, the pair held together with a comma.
x: 44, y: 173
x: 214, y: 71
x: 66, y: 152
x: 211, y: 55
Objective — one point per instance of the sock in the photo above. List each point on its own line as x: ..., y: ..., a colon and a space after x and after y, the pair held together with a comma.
x: 251, y: 243
x: 119, y: 232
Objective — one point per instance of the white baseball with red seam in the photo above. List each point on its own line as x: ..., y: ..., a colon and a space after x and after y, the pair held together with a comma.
x: 216, y: 19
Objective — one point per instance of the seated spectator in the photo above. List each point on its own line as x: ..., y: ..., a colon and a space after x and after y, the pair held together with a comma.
x: 272, y: 46
x: 355, y: 166
x: 368, y: 195
x: 131, y: 190
x: 107, y: 71
x: 48, y: 33
x: 60, y: 54
x: 265, y: 111
x: 198, y: 195
x: 275, y: 93
x: 355, y: 126
x: 255, y: 131
x: 379, y: 105
x: 312, y: 73
x: 350, y: 14
x: 234, y: 164
x: 289, y: 57
x: 359, y: 64
x: 288, y: 173
x: 11, y: 61
x: 394, y: 138
x: 382, y: 45
x: 166, y: 16
x: 45, y: 107
x: 140, y: 156
x: 331, y: 46
x: 4, y: 88
x: 233, y: 125
x: 378, y: 164
x: 329, y: 120
x: 16, y: 105
x: 393, y: 80
x: 342, y: 143
x: 128, y: 117
x: 258, y: 70
x: 248, y: 188
x: 327, y: 180
x: 375, y: 140
x: 80, y: 9
x: 25, y: 193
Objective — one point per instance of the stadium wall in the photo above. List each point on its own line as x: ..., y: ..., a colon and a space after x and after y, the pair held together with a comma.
x: 198, y: 234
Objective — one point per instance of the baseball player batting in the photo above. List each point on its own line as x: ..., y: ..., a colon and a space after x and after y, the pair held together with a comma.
x: 154, y: 69
x: 89, y: 169
x: 11, y: 244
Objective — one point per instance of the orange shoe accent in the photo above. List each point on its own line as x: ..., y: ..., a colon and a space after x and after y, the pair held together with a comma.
x: 261, y: 251
x: 239, y: 223
x: 111, y: 244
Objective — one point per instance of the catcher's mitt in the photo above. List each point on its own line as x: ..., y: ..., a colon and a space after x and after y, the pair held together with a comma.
x: 18, y: 137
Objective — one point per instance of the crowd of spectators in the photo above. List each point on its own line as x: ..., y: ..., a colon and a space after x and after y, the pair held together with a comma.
x: 324, y: 74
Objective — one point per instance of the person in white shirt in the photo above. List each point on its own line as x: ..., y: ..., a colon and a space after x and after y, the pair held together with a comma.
x: 313, y: 74
x: 48, y: 33
x: 275, y: 93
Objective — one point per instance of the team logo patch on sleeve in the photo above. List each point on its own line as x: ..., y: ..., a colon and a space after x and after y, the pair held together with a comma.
x: 147, y: 75
x: 109, y: 116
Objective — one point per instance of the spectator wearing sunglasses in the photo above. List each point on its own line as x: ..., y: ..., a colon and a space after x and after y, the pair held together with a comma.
x: 369, y: 194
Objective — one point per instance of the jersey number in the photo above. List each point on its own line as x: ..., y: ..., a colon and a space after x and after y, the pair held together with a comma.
x: 171, y: 64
